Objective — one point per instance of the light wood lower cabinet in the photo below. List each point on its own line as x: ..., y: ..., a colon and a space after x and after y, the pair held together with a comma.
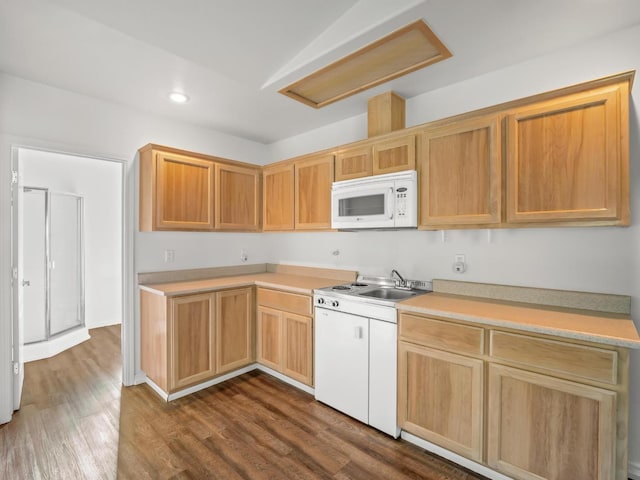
x: 285, y: 334
x: 234, y: 329
x: 532, y: 406
x: 297, y: 358
x: 544, y: 427
x: 190, y: 339
x: 441, y: 398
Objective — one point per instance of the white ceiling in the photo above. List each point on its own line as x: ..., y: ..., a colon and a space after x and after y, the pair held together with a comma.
x: 232, y: 56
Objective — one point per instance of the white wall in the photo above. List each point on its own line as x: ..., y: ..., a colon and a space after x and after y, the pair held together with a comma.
x: 39, y: 116
x: 588, y: 259
x: 99, y: 182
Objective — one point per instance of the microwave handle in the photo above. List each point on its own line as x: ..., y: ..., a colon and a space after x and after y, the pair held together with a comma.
x: 390, y: 203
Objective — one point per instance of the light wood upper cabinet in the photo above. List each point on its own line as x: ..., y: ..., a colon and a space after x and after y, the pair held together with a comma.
x: 176, y: 192
x: 191, y: 340
x: 540, y: 427
x: 237, y: 192
x: 394, y: 155
x: 567, y: 158
x: 376, y: 158
x: 278, y: 197
x: 461, y: 173
x: 354, y: 163
x: 234, y: 329
x: 313, y: 179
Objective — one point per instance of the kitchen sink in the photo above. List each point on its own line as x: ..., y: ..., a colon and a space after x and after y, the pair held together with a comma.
x: 389, y: 293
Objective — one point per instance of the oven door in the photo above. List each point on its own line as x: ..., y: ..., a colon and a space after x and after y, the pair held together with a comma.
x: 363, y: 206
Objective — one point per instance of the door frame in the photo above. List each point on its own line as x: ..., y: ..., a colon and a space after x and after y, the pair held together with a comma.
x: 127, y: 189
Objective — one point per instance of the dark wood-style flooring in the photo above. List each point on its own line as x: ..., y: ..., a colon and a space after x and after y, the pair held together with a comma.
x: 76, y: 422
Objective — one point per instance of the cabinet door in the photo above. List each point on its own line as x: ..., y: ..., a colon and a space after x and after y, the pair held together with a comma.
x: 461, y: 174
x: 234, y: 329
x: 297, y: 355
x: 354, y: 163
x: 440, y: 398
x: 541, y: 427
x: 565, y: 159
x: 191, y: 341
x: 313, y: 193
x: 394, y: 155
x: 269, y: 338
x: 278, y: 197
x: 237, y: 192
x: 184, y: 193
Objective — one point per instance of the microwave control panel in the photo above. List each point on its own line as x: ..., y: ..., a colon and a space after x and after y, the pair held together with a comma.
x: 401, y: 202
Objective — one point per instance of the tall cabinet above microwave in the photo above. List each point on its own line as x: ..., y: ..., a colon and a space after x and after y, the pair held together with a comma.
x: 381, y: 201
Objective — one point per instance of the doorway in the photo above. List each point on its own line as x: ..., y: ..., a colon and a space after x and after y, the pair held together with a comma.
x: 88, y: 214
x: 53, y: 272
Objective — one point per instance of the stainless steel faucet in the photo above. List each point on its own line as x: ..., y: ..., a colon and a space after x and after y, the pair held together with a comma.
x: 402, y: 282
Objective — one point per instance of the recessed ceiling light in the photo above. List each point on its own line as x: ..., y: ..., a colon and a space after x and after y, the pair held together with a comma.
x: 178, y: 97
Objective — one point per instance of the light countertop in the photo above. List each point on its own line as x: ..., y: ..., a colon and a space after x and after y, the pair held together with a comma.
x: 292, y: 283
x: 600, y: 327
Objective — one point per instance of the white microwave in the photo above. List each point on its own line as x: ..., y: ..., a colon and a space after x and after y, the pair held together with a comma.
x: 381, y: 201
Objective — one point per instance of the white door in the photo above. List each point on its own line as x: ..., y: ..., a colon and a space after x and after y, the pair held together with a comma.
x: 17, y: 197
x: 32, y: 265
x: 342, y: 362
x: 383, y: 361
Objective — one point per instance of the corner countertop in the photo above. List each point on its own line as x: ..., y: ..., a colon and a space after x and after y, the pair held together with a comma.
x: 594, y: 326
x: 292, y: 283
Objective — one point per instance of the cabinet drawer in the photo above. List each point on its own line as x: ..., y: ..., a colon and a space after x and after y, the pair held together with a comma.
x: 289, y: 302
x: 582, y: 361
x: 443, y: 335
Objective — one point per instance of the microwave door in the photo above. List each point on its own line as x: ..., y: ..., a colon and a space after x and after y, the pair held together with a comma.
x: 370, y: 207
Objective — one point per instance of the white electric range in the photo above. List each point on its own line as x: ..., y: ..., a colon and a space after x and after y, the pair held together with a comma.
x: 356, y: 348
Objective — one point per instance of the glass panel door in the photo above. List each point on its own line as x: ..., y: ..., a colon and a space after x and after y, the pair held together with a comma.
x: 66, y: 263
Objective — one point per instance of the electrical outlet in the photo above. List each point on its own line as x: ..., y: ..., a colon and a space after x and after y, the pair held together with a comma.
x: 459, y: 265
x: 169, y: 256
x: 243, y: 256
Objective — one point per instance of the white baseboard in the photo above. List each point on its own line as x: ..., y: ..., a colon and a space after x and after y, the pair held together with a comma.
x: 634, y: 471
x: 107, y: 323
x: 285, y: 379
x: 54, y: 346
x: 210, y: 383
x: 454, y: 457
x: 140, y: 378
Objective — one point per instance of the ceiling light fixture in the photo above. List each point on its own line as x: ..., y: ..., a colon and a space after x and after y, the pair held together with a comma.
x: 178, y: 97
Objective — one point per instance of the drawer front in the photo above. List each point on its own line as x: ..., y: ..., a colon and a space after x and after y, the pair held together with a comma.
x: 441, y: 334
x: 558, y: 357
x: 288, y: 302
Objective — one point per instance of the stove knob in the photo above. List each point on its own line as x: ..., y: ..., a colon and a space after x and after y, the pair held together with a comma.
x: 335, y: 303
x: 321, y: 301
